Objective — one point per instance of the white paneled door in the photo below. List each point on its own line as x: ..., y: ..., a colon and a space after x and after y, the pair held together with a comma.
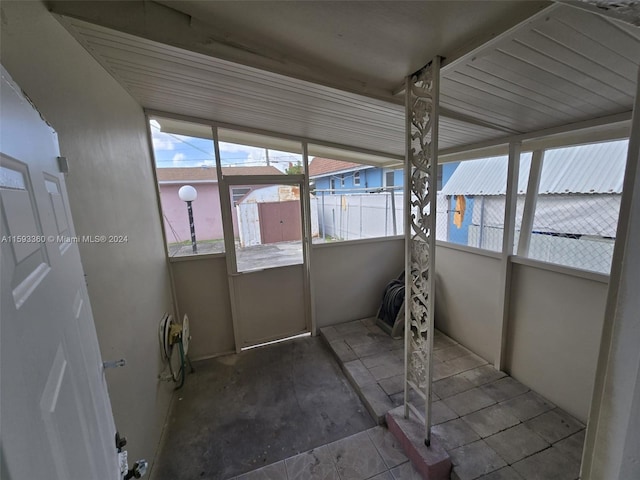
x: 55, y: 414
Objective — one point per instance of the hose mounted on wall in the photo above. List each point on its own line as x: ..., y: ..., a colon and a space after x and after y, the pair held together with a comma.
x: 172, y: 334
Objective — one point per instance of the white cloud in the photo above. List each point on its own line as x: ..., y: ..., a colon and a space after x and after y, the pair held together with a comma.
x: 161, y: 140
x: 178, y: 157
x: 253, y: 154
x: 252, y: 158
x: 160, y: 143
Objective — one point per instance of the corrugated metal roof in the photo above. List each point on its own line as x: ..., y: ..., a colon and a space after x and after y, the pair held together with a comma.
x: 596, y: 168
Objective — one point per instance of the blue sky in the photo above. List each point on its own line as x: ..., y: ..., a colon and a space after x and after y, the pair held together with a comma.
x: 180, y: 151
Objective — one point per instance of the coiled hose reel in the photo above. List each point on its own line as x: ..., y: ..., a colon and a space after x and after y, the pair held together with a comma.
x: 172, y: 334
x: 391, y: 313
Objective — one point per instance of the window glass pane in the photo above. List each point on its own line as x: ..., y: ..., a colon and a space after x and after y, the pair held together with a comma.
x: 578, y: 205
x: 471, y: 203
x: 184, y: 156
x: 353, y: 201
x: 238, y: 193
x: 254, y: 154
x: 267, y: 225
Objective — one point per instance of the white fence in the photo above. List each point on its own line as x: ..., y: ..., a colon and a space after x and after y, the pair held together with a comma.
x: 360, y: 215
x: 353, y: 216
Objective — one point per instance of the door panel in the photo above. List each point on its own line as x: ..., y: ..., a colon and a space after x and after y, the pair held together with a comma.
x: 56, y: 417
x: 270, y: 304
x: 266, y: 274
x: 60, y: 406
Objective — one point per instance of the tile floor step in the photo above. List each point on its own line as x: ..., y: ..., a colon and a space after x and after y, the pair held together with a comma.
x: 432, y: 462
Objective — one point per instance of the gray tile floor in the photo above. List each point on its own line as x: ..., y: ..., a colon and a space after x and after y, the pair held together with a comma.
x: 493, y: 427
x: 373, y: 454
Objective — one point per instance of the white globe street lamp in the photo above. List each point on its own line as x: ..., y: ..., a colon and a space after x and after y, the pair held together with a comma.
x: 188, y: 194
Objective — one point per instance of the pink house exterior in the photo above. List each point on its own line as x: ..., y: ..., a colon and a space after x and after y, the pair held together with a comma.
x: 206, y: 208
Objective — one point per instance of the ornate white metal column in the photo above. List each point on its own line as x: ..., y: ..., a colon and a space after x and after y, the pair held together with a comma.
x: 421, y: 164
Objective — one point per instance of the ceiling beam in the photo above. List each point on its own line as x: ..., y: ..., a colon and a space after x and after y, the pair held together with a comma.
x: 163, y: 24
x: 609, y: 127
x: 478, y: 122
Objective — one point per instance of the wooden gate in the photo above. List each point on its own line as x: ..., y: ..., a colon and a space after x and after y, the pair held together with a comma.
x: 280, y: 221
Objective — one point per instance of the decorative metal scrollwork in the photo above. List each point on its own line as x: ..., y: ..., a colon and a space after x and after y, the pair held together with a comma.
x: 422, y: 113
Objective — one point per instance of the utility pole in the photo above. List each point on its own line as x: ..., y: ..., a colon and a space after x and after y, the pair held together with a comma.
x: 266, y: 151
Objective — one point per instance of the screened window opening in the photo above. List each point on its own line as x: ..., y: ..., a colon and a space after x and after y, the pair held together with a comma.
x: 576, y: 207
x: 267, y: 227
x: 578, y: 204
x: 354, y: 201
x: 471, y: 202
x: 188, y: 186
x: 266, y: 218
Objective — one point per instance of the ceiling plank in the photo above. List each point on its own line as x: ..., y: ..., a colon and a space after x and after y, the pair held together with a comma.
x: 627, y: 12
x: 166, y: 25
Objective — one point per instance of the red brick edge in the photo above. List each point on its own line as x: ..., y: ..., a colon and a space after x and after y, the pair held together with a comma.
x: 432, y: 462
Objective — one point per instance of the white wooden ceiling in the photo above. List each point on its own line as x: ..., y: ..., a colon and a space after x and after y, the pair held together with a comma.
x: 563, y: 65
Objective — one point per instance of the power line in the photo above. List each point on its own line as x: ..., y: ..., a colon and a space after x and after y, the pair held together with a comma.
x: 182, y: 140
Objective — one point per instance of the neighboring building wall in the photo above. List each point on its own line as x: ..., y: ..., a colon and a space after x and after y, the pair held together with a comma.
x: 206, y: 213
x: 460, y: 234
x: 398, y: 177
x: 102, y: 133
x: 207, y: 216
x: 447, y: 171
x: 369, y: 178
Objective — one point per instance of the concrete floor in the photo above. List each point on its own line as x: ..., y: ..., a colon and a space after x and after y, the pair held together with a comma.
x: 241, y: 412
x: 492, y: 426
x: 256, y: 257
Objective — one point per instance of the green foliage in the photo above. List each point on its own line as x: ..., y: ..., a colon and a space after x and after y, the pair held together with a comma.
x: 294, y: 169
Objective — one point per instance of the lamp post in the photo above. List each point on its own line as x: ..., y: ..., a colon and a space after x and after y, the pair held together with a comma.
x: 188, y: 194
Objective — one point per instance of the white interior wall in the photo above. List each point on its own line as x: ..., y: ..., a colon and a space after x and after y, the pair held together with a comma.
x: 612, y: 445
x: 111, y: 191
x: 554, y: 335
x: 202, y: 291
x: 349, y: 278
x: 467, y: 300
